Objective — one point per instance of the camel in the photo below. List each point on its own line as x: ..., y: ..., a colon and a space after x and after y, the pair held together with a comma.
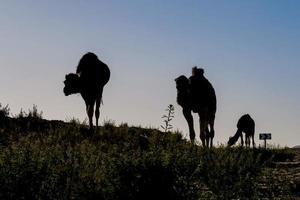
x: 90, y: 78
x: 197, y: 95
x: 245, y: 125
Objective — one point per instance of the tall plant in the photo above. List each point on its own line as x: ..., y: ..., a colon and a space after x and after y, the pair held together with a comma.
x: 168, y: 118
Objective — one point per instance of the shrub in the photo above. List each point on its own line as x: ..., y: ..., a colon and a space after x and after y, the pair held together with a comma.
x: 34, y: 113
x: 4, y: 111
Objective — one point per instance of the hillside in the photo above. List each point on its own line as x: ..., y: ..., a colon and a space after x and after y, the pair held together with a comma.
x: 42, y: 159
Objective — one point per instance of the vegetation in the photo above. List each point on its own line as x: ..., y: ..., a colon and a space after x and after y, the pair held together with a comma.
x: 32, y: 113
x: 4, y: 111
x: 168, y: 118
x: 56, y: 160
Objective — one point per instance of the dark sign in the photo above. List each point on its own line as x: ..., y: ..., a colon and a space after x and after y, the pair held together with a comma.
x: 265, y: 136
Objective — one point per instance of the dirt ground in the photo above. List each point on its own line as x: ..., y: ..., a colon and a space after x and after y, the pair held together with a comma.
x: 282, y: 179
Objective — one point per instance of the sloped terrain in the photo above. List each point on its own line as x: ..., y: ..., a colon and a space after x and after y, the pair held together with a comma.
x: 42, y: 159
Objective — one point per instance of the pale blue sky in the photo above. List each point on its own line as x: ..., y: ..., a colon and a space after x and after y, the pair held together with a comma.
x: 249, y: 50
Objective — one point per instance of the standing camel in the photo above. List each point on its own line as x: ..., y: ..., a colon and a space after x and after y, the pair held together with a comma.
x: 198, y: 95
x: 247, y: 125
x: 90, y: 78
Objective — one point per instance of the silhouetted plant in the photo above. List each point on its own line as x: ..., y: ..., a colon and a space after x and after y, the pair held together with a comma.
x: 109, y: 124
x: 4, y: 111
x: 75, y: 121
x: 34, y: 113
x: 21, y: 114
x: 168, y: 118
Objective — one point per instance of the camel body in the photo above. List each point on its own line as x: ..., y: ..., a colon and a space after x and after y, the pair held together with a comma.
x: 245, y: 125
x: 198, y: 95
x: 90, y: 78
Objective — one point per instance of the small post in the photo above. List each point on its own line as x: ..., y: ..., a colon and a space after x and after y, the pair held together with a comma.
x: 265, y: 137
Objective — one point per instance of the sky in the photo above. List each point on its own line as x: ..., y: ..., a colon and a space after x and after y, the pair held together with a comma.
x: 248, y: 49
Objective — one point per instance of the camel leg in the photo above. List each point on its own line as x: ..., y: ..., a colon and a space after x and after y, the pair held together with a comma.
x: 203, y: 127
x: 212, y: 131
x: 90, y: 113
x: 247, y: 140
x: 242, y: 139
x: 202, y: 133
x: 252, y: 136
x: 97, y: 112
x: 189, y: 118
x: 207, y: 138
x: 207, y: 133
x: 253, y: 143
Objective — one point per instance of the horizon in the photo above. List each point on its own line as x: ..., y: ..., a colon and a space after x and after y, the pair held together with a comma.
x: 247, y: 49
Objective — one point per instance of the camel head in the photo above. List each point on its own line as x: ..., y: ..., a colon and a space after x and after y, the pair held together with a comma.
x: 182, y: 83
x: 72, y: 85
x: 231, y: 141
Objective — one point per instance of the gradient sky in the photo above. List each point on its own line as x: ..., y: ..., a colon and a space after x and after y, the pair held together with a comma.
x: 249, y: 50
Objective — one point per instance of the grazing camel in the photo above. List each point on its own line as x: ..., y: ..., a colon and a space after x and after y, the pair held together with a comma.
x: 90, y: 78
x: 247, y: 125
x: 198, y: 95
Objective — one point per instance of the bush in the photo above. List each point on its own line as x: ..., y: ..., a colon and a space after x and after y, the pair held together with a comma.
x: 4, y: 111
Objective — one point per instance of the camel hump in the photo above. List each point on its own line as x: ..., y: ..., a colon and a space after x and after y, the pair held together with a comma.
x: 202, y: 92
x: 199, y: 83
x: 245, y: 122
x: 92, y: 70
x: 87, y: 63
x: 104, y: 73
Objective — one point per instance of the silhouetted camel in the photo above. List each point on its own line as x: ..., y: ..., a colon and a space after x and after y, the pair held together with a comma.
x: 90, y: 78
x: 198, y: 95
x: 245, y: 125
